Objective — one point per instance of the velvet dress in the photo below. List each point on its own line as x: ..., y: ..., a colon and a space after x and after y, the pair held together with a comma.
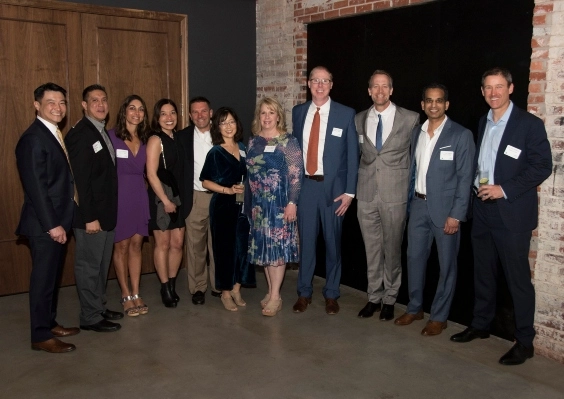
x: 173, y: 155
x: 275, y: 168
x: 133, y: 202
x: 229, y: 227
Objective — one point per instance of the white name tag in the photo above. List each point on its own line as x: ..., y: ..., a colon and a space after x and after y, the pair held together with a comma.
x: 242, y: 153
x: 512, y: 152
x: 269, y: 148
x: 447, y: 155
x: 97, y: 146
x: 337, y: 132
x: 122, y: 153
x: 360, y: 139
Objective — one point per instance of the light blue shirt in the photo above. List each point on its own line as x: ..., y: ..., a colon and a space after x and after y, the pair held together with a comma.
x: 490, y: 144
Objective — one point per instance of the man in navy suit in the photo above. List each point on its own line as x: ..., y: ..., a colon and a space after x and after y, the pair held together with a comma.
x: 442, y: 153
x: 92, y: 158
x: 326, y: 132
x: 47, y: 214
x: 513, y: 158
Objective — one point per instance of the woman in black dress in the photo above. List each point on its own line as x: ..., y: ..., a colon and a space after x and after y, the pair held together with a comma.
x: 164, y: 165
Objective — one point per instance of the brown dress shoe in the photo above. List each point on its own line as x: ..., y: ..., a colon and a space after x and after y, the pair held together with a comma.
x: 331, y: 306
x: 301, y: 304
x: 408, y: 318
x: 434, y: 327
x: 53, y: 345
x: 60, y: 331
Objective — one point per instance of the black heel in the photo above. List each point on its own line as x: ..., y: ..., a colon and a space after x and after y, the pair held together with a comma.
x: 172, y: 282
x: 166, y: 295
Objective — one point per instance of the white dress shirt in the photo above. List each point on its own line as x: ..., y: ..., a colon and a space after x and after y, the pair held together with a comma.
x: 423, y: 152
x: 388, y: 117
x: 202, y: 145
x: 52, y: 128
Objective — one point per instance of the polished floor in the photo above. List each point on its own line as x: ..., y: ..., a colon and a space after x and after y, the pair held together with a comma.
x: 207, y: 352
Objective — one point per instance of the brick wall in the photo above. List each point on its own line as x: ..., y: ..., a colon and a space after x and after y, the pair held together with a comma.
x: 281, y: 72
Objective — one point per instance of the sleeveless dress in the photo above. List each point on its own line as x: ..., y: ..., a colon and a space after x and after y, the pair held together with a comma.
x: 229, y: 227
x: 174, y: 163
x: 133, y: 202
x: 275, y: 169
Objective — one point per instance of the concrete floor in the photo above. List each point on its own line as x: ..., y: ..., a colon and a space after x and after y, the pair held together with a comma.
x: 207, y: 352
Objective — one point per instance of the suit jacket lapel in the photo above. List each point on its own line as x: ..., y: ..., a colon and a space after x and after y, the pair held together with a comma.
x: 444, y: 138
x: 51, y: 137
x: 511, y: 125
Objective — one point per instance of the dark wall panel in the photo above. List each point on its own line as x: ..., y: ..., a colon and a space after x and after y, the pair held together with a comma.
x: 452, y: 42
x: 222, y: 48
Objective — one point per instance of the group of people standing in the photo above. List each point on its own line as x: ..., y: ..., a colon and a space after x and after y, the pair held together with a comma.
x: 233, y: 207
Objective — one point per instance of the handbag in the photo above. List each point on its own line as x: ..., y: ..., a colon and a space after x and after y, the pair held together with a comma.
x: 166, y: 176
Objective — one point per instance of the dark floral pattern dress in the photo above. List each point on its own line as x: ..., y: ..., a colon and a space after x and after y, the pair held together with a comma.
x: 275, y: 169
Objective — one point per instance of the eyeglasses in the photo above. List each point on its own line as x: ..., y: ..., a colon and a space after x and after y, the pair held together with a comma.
x: 321, y: 81
x: 225, y: 123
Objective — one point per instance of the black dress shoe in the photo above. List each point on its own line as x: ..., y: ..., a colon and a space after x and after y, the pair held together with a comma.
x: 470, y: 334
x: 369, y: 309
x: 102, y: 326
x: 111, y: 315
x: 199, y: 298
x: 517, y: 354
x: 387, y: 312
x: 216, y: 294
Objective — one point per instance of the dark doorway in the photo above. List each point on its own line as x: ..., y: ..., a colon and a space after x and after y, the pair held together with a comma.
x: 452, y: 42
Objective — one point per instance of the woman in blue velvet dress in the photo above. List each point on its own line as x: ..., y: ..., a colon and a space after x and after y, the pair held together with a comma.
x: 275, y: 165
x: 222, y: 173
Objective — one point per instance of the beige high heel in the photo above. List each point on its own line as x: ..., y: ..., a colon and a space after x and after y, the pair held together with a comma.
x: 228, y: 303
x: 272, y: 307
x: 265, y: 301
x: 131, y: 310
x: 237, y: 298
x: 143, y: 308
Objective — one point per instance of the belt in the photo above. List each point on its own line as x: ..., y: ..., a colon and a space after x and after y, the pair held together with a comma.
x: 204, y: 191
x: 422, y: 196
x: 314, y: 177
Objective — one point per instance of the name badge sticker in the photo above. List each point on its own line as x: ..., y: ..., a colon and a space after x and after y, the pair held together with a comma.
x: 337, y: 132
x: 447, y: 155
x: 512, y: 152
x: 242, y: 153
x: 361, y: 139
x: 122, y: 153
x: 97, y: 147
x: 269, y: 148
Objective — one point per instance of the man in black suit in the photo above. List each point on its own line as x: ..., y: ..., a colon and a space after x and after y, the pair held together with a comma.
x: 513, y: 158
x: 47, y: 214
x: 92, y: 158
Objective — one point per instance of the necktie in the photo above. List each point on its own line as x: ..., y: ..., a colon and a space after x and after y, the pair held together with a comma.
x: 311, y: 161
x: 62, y: 142
x: 379, y: 133
x: 109, y: 145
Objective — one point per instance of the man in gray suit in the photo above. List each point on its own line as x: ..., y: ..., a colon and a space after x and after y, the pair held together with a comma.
x: 383, y: 177
x: 442, y: 152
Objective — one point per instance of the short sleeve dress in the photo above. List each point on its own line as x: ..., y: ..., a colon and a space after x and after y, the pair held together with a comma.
x: 133, y: 201
x: 174, y: 163
x: 275, y: 169
x: 229, y: 228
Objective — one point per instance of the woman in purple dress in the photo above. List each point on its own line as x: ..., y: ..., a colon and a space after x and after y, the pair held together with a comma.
x: 129, y: 138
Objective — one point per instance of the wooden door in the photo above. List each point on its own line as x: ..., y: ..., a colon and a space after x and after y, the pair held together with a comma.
x: 37, y: 46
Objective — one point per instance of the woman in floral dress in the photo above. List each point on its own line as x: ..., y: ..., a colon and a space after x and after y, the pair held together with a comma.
x: 275, y: 169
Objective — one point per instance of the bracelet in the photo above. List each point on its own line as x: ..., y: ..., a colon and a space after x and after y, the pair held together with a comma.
x: 291, y: 203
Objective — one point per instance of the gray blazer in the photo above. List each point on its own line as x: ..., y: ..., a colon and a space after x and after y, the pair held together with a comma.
x: 386, y: 171
x: 448, y: 180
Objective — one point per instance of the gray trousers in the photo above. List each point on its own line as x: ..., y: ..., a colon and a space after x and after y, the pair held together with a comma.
x: 93, y: 254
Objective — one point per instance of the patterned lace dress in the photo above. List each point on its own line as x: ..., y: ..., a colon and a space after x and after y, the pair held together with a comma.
x: 275, y: 169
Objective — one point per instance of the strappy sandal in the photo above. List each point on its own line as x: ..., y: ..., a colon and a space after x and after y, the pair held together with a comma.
x: 228, y: 303
x: 132, y: 310
x: 237, y: 298
x: 265, y: 301
x: 143, y: 309
x: 272, y: 307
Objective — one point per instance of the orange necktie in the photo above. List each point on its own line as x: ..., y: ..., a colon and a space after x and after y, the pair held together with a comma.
x: 62, y: 142
x: 311, y: 161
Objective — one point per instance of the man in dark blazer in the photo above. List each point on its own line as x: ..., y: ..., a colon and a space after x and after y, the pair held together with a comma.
x: 92, y: 158
x: 442, y: 153
x: 384, y: 134
x: 196, y: 142
x: 327, y: 135
x: 513, y: 159
x: 47, y: 214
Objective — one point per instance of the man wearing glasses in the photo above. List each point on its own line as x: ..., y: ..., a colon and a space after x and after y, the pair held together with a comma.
x: 383, y: 179
x: 327, y: 135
